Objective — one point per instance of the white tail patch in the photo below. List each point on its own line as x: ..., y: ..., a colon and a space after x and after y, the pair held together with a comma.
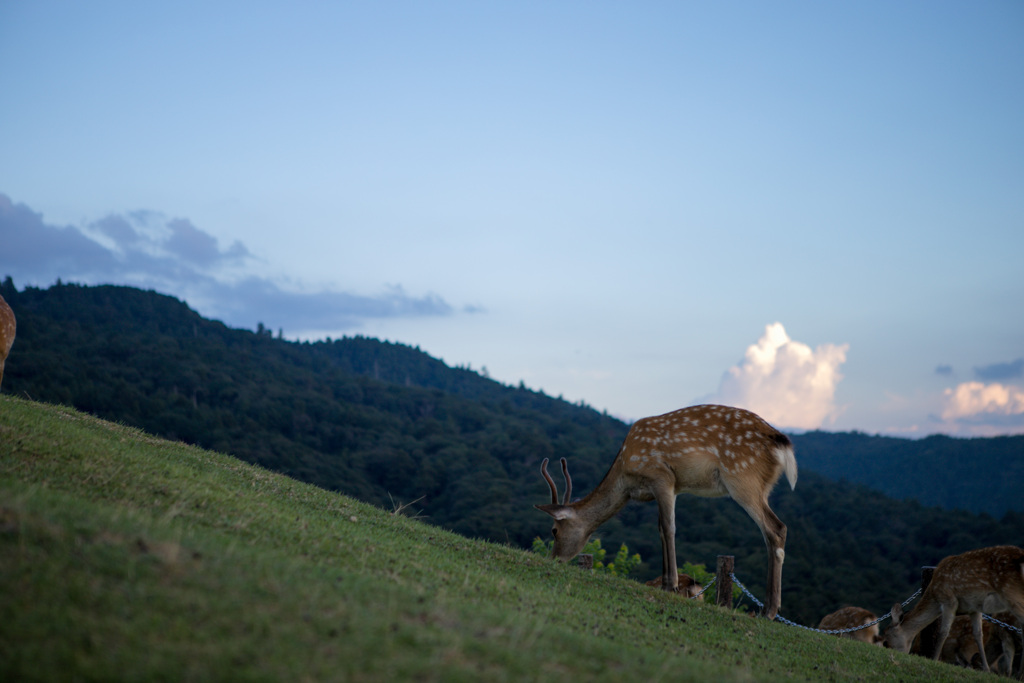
x: 786, y: 458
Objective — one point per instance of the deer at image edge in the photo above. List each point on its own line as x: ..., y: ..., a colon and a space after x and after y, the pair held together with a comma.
x: 7, y: 328
x: 702, y: 450
x: 987, y: 580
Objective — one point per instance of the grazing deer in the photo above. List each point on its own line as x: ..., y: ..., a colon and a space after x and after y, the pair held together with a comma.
x: 703, y: 450
x: 986, y: 580
x: 7, y: 326
x: 852, y: 617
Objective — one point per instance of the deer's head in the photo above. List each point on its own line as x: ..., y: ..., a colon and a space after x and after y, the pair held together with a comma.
x: 569, y: 529
x: 896, y: 637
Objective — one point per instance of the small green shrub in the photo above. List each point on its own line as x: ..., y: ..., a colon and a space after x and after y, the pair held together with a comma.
x: 621, y: 565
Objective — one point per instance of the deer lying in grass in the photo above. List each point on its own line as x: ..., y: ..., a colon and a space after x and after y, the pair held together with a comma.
x: 687, y: 586
x: 987, y: 580
x: 7, y: 327
x: 961, y: 648
x: 852, y: 617
x: 703, y: 450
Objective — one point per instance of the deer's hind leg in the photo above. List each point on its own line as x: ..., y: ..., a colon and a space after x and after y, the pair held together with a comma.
x: 979, y: 639
x: 774, y: 533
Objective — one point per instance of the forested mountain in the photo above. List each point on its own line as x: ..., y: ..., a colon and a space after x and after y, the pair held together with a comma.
x: 980, y: 475
x: 391, y: 425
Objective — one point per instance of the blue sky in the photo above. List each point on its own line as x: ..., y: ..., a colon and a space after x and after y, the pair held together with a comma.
x: 813, y: 210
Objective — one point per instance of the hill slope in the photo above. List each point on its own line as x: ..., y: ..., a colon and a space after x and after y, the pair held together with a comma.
x: 384, y: 422
x: 126, y: 557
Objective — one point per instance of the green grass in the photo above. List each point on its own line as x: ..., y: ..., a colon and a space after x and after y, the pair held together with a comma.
x: 127, y: 557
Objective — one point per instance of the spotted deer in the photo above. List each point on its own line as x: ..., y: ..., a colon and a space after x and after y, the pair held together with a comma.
x: 961, y: 648
x: 987, y: 580
x: 707, y: 451
x: 852, y: 617
x: 7, y: 327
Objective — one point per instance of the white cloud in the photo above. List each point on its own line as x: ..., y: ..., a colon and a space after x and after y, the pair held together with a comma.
x: 975, y: 400
x: 784, y: 381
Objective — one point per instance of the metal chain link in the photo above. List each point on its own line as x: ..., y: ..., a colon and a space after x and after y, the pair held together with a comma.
x: 999, y: 623
x: 705, y: 588
x: 786, y: 621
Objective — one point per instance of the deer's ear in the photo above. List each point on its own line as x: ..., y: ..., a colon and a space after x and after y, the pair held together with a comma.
x: 557, y: 511
x: 897, y: 614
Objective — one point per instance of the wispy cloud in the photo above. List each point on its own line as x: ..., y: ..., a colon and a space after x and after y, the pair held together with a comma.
x: 171, y: 255
x: 998, y: 372
x: 785, y: 381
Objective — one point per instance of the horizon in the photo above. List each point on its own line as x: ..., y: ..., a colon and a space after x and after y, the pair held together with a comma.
x: 482, y: 371
x: 813, y: 212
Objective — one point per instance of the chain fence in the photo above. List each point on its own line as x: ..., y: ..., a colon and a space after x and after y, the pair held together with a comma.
x: 999, y: 623
x: 784, y: 620
x: 704, y: 589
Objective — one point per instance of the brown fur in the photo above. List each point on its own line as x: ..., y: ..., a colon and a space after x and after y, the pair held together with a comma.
x: 7, y: 329
x: 852, y: 617
x: 702, y: 450
x: 961, y: 648
x: 687, y: 586
x: 987, y: 580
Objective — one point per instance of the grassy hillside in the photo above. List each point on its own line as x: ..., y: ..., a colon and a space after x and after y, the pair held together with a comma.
x: 126, y: 557
x: 384, y: 422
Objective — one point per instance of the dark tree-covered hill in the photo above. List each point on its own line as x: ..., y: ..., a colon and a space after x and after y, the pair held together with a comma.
x: 980, y: 475
x: 391, y: 425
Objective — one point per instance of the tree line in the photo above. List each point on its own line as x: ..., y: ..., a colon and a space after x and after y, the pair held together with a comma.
x: 390, y: 425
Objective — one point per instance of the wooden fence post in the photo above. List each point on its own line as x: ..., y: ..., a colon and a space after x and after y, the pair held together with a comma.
x: 930, y: 633
x: 723, y: 582
x: 586, y: 561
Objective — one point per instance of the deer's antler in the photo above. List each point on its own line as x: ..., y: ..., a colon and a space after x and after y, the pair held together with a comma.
x: 568, y: 483
x: 551, y: 482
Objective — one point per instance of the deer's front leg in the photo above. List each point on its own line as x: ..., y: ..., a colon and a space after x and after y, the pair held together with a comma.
x: 775, y: 540
x: 667, y: 528
x: 945, y: 623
